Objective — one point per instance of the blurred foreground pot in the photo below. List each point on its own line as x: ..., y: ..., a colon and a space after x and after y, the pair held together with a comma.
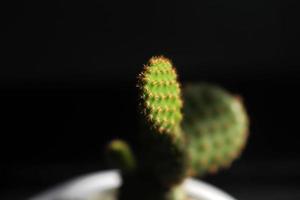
x: 104, y: 185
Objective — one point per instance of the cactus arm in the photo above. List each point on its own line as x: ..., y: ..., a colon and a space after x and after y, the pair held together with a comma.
x: 120, y: 156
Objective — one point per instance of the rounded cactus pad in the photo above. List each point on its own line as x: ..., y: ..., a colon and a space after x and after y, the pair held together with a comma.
x: 160, y: 95
x: 216, y: 125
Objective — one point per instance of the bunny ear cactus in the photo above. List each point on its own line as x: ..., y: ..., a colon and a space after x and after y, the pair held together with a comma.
x: 209, y: 137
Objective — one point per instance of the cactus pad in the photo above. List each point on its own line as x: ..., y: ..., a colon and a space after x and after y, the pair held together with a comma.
x: 216, y: 125
x: 160, y: 95
x: 163, y: 146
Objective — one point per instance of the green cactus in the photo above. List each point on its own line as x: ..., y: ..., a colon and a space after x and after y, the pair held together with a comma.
x: 160, y: 105
x: 211, y: 135
x: 216, y: 125
x: 160, y: 95
x: 119, y: 155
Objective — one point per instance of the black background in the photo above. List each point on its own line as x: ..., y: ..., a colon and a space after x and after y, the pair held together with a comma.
x: 68, y: 72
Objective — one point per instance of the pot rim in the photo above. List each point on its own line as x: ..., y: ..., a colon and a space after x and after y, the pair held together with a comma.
x: 84, y: 186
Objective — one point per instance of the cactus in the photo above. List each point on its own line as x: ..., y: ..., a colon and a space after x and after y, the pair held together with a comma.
x: 210, y: 136
x: 119, y: 155
x: 160, y: 95
x: 160, y: 105
x: 216, y: 125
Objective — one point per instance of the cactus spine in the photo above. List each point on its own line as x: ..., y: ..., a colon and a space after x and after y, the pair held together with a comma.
x: 211, y: 135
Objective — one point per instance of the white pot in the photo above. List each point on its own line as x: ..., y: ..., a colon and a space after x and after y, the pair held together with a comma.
x: 101, y: 186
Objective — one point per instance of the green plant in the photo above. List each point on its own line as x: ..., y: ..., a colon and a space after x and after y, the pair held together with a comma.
x: 210, y: 136
x: 216, y: 125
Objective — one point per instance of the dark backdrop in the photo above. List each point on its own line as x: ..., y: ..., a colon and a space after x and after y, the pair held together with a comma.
x: 68, y: 72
